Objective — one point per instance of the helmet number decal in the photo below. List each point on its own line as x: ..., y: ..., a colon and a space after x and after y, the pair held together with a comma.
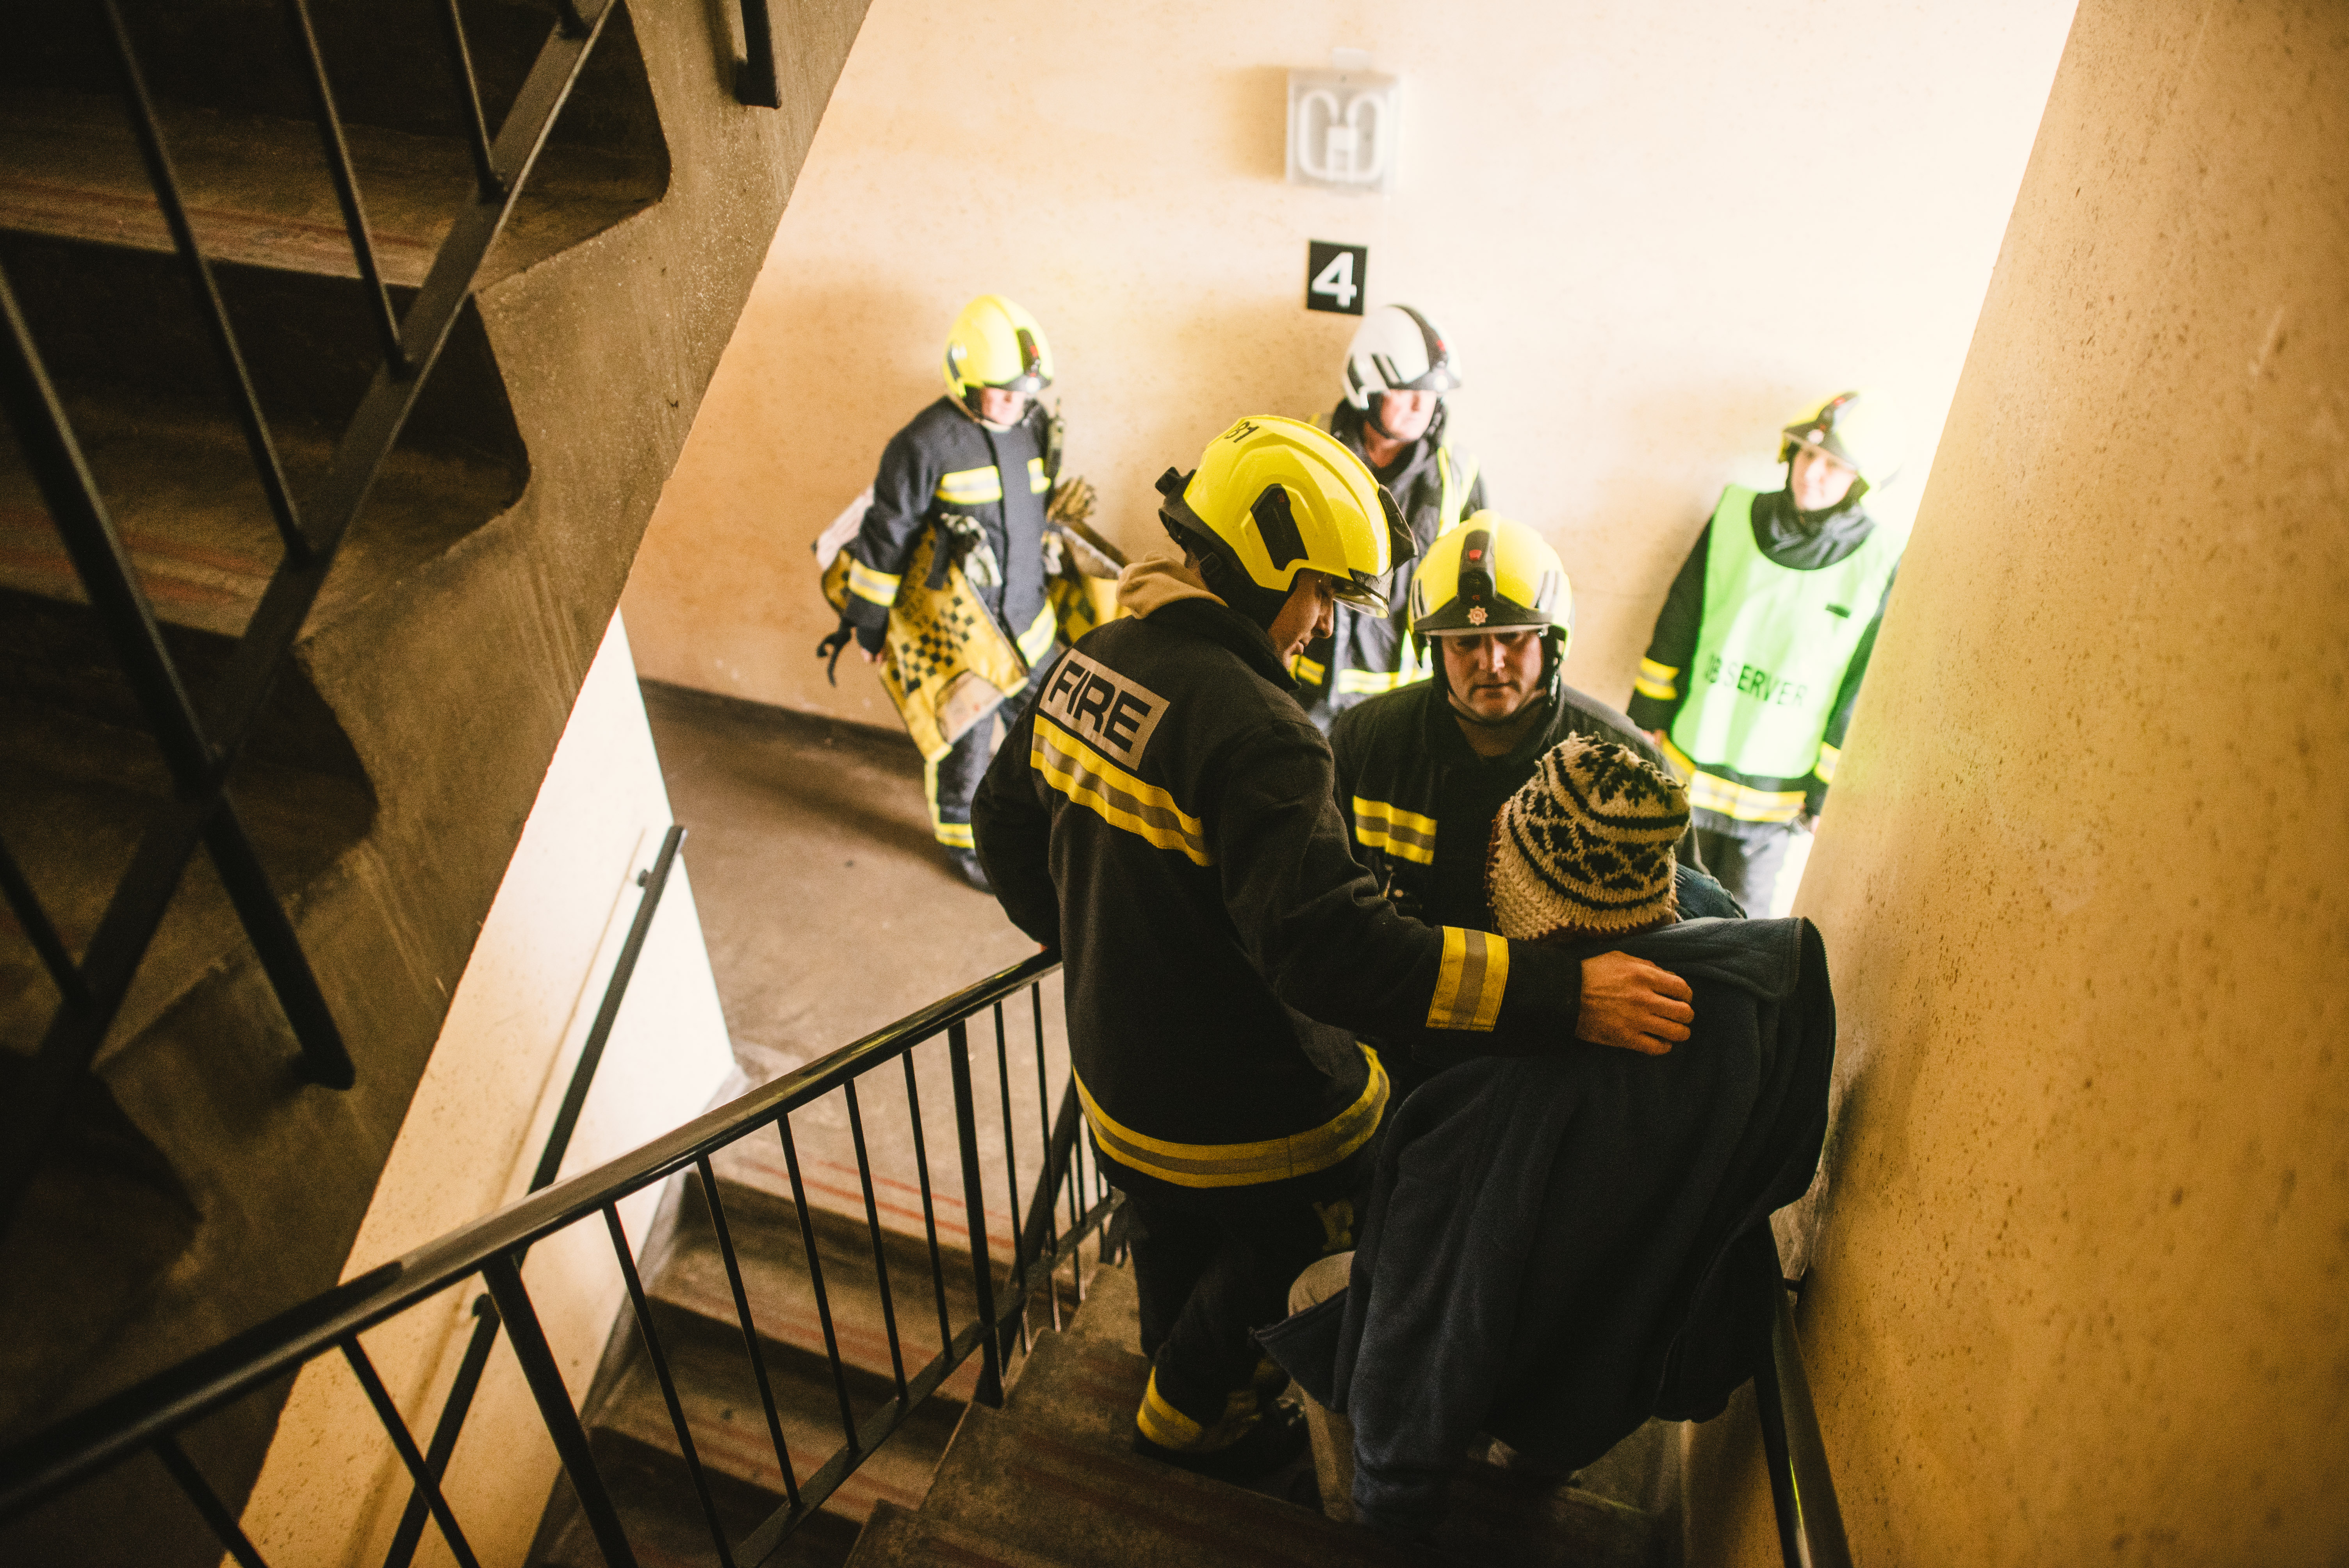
x: 1336, y: 276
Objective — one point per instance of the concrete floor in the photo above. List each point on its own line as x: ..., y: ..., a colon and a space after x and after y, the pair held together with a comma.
x: 829, y: 912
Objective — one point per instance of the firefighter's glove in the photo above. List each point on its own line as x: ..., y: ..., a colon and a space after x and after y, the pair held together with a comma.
x: 831, y: 647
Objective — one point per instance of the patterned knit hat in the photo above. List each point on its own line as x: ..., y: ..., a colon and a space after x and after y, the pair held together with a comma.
x: 1587, y: 843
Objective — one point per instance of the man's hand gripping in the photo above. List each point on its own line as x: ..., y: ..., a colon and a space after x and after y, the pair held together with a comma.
x: 1632, y: 1005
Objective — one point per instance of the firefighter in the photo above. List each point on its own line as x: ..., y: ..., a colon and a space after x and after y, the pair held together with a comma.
x: 1758, y: 654
x: 1422, y: 771
x: 943, y: 585
x: 1160, y: 814
x: 1399, y: 371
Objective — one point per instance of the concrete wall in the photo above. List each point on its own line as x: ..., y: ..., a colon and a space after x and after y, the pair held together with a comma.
x: 2080, y: 1299
x: 1653, y: 232
x: 332, y: 1490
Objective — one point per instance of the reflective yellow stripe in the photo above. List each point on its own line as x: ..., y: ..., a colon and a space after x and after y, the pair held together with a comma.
x: 879, y: 587
x: 1406, y: 835
x: 1306, y: 670
x: 1659, y: 681
x: 970, y: 487
x: 1371, y: 683
x: 1037, y: 639
x: 1245, y: 1164
x: 1117, y: 797
x: 1826, y: 769
x: 1468, y: 988
x: 1169, y: 1428
x: 1728, y: 797
x: 1036, y: 483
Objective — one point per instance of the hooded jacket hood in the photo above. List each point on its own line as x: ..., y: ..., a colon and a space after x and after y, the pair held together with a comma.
x: 1154, y: 582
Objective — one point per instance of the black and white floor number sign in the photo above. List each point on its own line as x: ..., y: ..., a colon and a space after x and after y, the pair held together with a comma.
x: 1335, y: 277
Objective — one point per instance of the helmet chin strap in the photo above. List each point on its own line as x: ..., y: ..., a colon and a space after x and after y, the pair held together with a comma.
x: 1470, y: 716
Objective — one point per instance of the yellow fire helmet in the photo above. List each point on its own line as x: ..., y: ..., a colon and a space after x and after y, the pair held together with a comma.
x: 1491, y: 573
x: 994, y: 342
x: 1271, y: 495
x: 1860, y: 431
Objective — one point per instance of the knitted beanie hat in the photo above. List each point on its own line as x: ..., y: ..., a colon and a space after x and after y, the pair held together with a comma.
x: 1587, y: 843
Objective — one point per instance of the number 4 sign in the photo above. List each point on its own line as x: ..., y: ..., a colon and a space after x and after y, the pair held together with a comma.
x: 1335, y: 277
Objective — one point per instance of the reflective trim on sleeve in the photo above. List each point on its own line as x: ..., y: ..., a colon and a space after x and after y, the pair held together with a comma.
x: 1036, y: 483
x: 1245, y: 1164
x: 1114, y: 795
x: 1468, y: 988
x: 1372, y: 683
x: 1406, y: 835
x: 1826, y: 769
x: 971, y: 487
x: 1308, y: 670
x: 1661, y: 682
x: 875, y: 587
x: 1037, y: 639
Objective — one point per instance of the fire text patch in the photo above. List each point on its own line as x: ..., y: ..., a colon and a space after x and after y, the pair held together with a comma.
x: 1113, y: 712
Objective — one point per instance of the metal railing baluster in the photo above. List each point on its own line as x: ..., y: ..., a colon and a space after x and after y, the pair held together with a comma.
x: 1047, y: 1176
x: 750, y: 1330
x: 930, y: 1210
x: 755, y: 80
x: 445, y: 1431
x: 404, y: 1441
x: 148, y: 129
x: 982, y: 1276
x: 661, y: 1375
x: 1019, y: 1278
x: 486, y: 177
x: 223, y: 1524
x: 544, y: 1376
x: 872, y: 1224
x: 815, y: 1278
x: 324, y: 1058
x: 346, y: 185
x: 39, y: 930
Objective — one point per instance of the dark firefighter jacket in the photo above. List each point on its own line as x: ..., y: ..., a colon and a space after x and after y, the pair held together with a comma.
x: 946, y: 466
x: 1558, y: 1248
x: 1437, y: 485
x: 1800, y: 541
x: 1161, y: 813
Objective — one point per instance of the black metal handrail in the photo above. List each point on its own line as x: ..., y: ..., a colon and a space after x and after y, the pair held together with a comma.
x: 1802, y: 1488
x: 201, y: 746
x: 148, y: 1415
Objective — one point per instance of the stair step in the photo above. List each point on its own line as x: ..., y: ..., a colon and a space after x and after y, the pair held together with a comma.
x: 720, y: 1398
x: 653, y: 1493
x: 893, y: 1538
x: 1086, y: 1390
x: 1111, y: 1313
x: 184, y: 495
x: 1032, y: 1488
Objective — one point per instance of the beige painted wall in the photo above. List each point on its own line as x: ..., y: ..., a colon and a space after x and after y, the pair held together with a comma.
x: 332, y: 1490
x: 2086, y: 882
x: 1652, y: 230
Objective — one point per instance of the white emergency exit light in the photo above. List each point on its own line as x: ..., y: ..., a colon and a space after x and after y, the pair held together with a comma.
x: 1345, y: 126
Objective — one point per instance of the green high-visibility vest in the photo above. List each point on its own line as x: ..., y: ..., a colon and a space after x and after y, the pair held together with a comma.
x: 1775, y: 642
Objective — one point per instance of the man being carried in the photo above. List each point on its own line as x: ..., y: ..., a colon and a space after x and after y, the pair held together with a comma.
x: 1162, y: 814
x: 1558, y: 1248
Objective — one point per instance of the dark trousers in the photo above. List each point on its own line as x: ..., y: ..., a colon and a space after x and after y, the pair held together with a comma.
x: 1747, y: 858
x: 952, y: 782
x: 1211, y: 1263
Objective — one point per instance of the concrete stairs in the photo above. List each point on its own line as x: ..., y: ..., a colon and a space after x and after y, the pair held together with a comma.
x: 693, y: 1313
x: 199, y: 1186
x: 1049, y: 1481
